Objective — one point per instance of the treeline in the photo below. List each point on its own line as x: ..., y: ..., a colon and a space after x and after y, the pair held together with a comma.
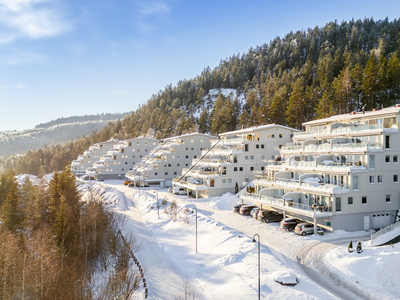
x: 54, y: 246
x: 316, y: 73
x: 85, y: 118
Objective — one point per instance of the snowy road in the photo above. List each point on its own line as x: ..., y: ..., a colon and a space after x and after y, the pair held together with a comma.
x: 164, y: 279
x: 166, y: 264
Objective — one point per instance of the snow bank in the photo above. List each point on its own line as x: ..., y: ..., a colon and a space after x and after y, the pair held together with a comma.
x: 224, y: 202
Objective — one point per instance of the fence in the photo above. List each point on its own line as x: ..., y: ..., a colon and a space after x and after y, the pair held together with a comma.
x: 384, y: 230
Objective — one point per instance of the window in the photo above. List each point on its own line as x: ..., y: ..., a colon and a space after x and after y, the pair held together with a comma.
x: 280, y: 135
x: 246, y: 157
x: 246, y: 147
x: 262, y: 168
x: 252, y: 157
x: 257, y: 146
x: 155, y: 173
x: 338, y: 201
x: 251, y: 168
x: 175, y: 173
x: 262, y: 146
x: 192, y: 149
x: 223, y: 180
x: 187, y: 148
x: 178, y: 165
x: 396, y: 178
x: 187, y: 165
x: 273, y: 136
x: 235, y: 169
x: 166, y: 173
x: 169, y: 165
x: 267, y: 135
x: 387, y: 142
x: 372, y: 179
x: 241, y: 169
x: 230, y: 180
x: 211, y: 182
x: 355, y: 182
x: 387, y: 158
x: 395, y: 158
x: 379, y: 178
x: 187, y: 156
x: 350, y: 201
x: 364, y: 199
x: 387, y: 198
x: 372, y: 161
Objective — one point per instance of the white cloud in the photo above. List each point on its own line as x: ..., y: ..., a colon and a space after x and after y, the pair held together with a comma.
x: 32, y: 19
x: 152, y: 8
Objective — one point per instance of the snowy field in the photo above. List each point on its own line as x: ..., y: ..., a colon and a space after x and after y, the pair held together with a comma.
x: 226, y: 263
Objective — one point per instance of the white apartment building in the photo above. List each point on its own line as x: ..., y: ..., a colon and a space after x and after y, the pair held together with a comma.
x: 342, y: 172
x: 91, y: 155
x: 233, y: 159
x: 167, y: 159
x: 121, y: 158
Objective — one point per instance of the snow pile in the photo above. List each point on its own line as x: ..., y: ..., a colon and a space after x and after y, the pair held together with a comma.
x: 386, y: 237
x: 376, y: 270
x: 224, y: 202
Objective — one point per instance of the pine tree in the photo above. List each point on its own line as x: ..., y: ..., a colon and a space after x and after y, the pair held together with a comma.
x: 11, y: 217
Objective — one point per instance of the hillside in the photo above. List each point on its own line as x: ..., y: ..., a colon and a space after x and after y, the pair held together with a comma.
x: 54, y: 132
x: 307, y: 74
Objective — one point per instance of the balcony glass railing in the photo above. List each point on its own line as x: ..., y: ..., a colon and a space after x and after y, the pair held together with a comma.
x: 322, y: 187
x: 329, y: 147
x: 281, y: 203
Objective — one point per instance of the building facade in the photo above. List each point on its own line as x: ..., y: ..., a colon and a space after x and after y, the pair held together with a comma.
x: 168, y: 159
x: 342, y: 172
x: 233, y: 159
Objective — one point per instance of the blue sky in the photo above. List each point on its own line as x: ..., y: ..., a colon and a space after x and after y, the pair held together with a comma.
x: 60, y: 58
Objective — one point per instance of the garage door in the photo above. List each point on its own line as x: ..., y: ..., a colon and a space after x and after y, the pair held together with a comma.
x: 380, y: 221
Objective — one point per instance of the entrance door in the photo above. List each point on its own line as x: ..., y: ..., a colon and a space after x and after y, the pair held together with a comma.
x: 366, y: 222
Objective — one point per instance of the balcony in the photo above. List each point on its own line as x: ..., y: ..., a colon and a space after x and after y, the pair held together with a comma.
x: 296, y: 208
x: 304, y: 186
x: 200, y: 173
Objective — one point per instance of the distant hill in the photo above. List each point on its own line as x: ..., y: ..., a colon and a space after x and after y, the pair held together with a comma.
x: 54, y: 132
x: 305, y: 75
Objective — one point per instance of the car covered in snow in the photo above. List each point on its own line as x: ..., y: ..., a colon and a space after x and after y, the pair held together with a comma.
x: 245, y: 209
x: 237, y: 207
x: 254, y: 212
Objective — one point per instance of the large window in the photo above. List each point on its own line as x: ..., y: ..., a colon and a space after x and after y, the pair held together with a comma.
x: 387, y: 142
x: 338, y: 204
x: 372, y: 161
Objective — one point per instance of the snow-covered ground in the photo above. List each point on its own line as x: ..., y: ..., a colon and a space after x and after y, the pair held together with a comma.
x: 226, y: 263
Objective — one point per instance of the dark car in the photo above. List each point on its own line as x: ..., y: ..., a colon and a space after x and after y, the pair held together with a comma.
x: 237, y: 207
x: 245, y: 209
x: 290, y: 223
x: 101, y: 179
x: 269, y: 216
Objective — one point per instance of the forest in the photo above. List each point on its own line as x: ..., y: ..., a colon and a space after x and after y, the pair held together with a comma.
x: 53, y: 245
x: 305, y: 75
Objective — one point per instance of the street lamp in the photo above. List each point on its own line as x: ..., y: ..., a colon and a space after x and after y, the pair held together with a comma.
x: 196, y: 227
x: 158, y: 204
x: 254, y: 240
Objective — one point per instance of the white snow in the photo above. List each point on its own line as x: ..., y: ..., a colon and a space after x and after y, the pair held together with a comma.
x: 226, y: 263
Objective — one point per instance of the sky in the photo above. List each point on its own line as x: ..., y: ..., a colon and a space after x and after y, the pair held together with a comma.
x: 62, y: 58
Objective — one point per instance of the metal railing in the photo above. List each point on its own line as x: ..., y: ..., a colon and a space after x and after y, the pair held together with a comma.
x: 384, y: 230
x: 281, y: 203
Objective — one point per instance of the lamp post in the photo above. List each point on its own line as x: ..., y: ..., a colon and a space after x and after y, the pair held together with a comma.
x: 196, y: 227
x: 254, y: 240
x: 158, y: 204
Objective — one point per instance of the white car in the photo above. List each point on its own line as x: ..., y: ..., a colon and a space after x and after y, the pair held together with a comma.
x: 305, y: 228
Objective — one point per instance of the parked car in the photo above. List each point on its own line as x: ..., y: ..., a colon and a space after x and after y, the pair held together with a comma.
x: 305, y: 228
x: 236, y: 208
x: 269, y: 216
x: 254, y: 212
x: 127, y: 182
x: 132, y: 184
x: 101, y: 179
x: 245, y: 209
x: 179, y: 191
x: 290, y: 223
